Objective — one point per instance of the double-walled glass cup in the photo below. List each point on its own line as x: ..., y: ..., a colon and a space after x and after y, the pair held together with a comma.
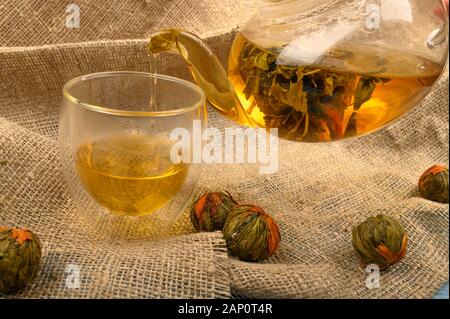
x: 116, y: 148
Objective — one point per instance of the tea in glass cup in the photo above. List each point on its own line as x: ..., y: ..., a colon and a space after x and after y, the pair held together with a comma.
x: 115, y: 142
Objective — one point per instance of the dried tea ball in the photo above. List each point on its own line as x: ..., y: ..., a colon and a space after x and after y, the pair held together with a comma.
x: 211, y: 210
x: 251, y: 234
x: 380, y: 240
x: 20, y: 256
x: 433, y: 184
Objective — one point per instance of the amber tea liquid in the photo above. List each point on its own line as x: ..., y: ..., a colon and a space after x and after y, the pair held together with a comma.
x: 350, y: 91
x: 130, y: 175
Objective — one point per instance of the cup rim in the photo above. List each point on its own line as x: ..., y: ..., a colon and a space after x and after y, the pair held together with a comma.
x: 111, y: 111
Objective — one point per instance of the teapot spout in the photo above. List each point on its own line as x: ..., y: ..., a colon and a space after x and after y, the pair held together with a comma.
x: 205, y: 68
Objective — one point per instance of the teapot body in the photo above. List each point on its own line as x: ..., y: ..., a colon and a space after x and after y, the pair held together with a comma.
x: 326, y: 70
x: 323, y: 70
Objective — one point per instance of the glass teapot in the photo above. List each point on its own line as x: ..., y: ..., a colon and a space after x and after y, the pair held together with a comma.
x: 321, y: 70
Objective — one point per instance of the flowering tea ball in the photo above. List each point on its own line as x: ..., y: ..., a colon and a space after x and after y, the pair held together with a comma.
x: 20, y: 256
x: 250, y: 233
x: 380, y: 240
x: 211, y: 210
x: 433, y: 184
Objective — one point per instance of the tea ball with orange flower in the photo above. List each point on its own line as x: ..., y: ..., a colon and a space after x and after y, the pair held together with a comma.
x: 250, y: 233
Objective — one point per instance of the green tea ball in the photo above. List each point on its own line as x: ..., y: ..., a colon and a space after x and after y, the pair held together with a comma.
x: 20, y: 256
x: 433, y: 184
x: 211, y: 210
x: 380, y: 240
x: 251, y: 234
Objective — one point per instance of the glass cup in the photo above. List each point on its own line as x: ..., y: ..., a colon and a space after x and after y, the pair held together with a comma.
x: 116, y: 149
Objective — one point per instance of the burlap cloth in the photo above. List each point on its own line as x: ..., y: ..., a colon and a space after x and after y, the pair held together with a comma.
x: 319, y: 192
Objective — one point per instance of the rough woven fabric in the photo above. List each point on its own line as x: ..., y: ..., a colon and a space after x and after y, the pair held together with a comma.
x: 38, y: 22
x: 319, y: 192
